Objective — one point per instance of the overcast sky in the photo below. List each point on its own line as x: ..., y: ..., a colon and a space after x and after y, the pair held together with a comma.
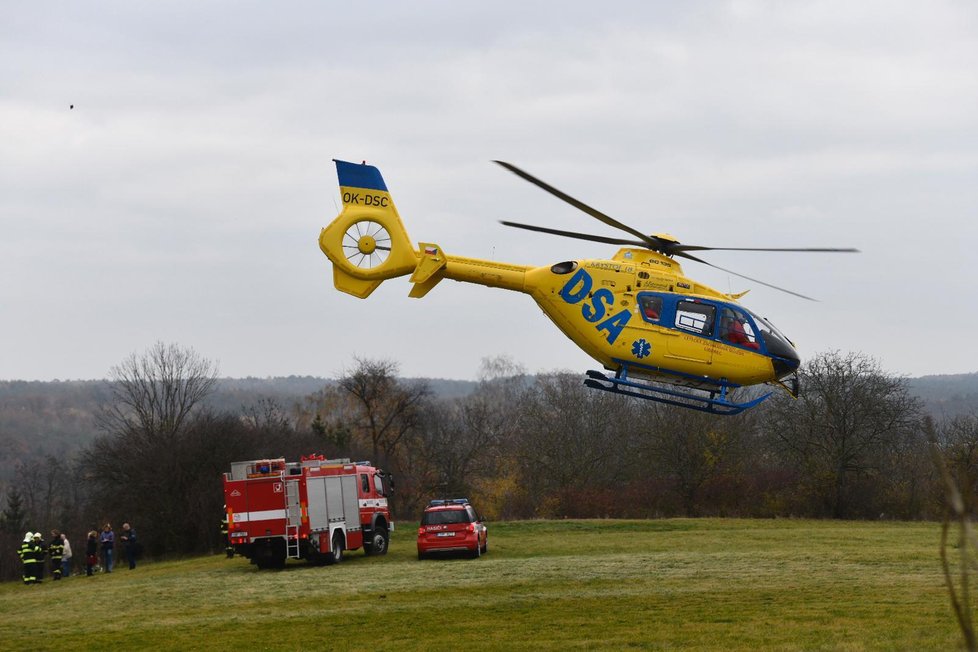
x: 181, y: 199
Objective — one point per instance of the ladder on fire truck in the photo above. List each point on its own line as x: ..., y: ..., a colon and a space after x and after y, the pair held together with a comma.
x: 293, y: 517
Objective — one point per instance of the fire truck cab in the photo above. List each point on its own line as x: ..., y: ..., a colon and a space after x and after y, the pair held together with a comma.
x: 314, y: 509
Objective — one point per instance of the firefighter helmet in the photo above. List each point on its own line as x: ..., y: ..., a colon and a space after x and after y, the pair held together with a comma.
x: 28, y: 536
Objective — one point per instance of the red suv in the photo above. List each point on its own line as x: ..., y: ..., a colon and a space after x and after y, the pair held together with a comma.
x: 452, y: 525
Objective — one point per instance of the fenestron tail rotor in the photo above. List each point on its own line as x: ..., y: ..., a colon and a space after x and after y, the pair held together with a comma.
x: 366, y: 244
x: 664, y: 244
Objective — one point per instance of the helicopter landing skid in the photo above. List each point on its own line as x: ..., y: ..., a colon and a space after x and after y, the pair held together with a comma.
x: 715, y: 402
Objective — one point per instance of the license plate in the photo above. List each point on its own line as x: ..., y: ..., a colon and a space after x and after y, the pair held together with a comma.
x: 445, y: 534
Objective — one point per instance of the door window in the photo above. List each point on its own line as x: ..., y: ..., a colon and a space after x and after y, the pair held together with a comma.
x: 696, y: 317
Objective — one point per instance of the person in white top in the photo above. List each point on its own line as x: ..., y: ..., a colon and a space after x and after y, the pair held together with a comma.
x: 66, y: 558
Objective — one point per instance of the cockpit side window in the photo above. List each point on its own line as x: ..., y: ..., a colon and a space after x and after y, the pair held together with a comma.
x: 651, y: 307
x: 735, y: 328
x: 696, y: 317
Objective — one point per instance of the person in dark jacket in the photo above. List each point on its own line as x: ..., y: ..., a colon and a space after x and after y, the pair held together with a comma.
x: 228, y: 548
x: 36, y: 554
x: 128, y: 539
x: 91, y: 552
x: 55, y: 550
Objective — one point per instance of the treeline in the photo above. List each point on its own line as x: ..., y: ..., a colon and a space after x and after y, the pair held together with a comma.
x: 854, y: 445
x: 40, y: 418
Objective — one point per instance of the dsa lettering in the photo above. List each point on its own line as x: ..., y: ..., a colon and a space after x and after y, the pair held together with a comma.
x: 595, y: 307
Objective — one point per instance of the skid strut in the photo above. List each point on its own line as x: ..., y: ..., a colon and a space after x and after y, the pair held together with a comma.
x: 714, y: 402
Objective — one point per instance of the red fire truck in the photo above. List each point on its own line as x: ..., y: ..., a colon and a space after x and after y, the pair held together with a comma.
x: 314, y: 509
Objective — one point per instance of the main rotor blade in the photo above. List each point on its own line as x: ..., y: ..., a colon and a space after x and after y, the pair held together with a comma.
x: 682, y: 247
x: 724, y: 269
x: 573, y: 234
x: 649, y: 241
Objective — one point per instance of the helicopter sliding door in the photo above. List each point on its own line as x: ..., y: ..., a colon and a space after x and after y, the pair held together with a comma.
x: 695, y: 324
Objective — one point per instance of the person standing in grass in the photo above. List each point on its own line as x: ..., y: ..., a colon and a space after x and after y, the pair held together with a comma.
x: 107, y: 541
x: 225, y: 524
x: 26, y: 558
x: 228, y: 548
x: 91, y: 552
x: 128, y: 539
x: 38, y: 549
x: 55, y: 550
x: 66, y: 557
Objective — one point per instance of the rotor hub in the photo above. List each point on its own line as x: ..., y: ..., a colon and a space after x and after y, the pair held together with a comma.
x: 367, y: 244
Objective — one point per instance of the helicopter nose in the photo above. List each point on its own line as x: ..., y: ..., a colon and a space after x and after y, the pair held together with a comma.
x: 785, y: 364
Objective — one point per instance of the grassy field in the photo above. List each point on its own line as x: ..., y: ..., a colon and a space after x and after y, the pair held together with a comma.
x: 667, y: 584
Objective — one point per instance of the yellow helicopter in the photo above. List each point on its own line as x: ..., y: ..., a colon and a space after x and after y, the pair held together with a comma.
x: 664, y: 336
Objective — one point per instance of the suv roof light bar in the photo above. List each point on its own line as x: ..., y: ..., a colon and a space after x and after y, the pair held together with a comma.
x: 448, y: 501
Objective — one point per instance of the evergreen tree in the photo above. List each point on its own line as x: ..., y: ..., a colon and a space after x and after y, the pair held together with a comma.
x: 13, y: 515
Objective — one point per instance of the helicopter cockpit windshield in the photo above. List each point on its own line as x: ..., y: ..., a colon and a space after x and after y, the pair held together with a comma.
x: 777, y: 344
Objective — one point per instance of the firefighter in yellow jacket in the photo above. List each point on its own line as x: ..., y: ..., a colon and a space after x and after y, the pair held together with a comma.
x: 25, y: 552
x: 55, y: 550
x: 228, y: 548
x: 36, y: 556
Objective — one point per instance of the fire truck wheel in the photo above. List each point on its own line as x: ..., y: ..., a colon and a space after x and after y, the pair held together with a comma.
x: 378, y: 542
x: 335, y: 555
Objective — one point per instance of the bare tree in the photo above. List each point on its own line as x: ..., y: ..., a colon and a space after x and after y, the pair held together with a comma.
x: 155, y: 392
x: 464, y: 444
x: 570, y: 442
x: 144, y: 464
x: 267, y: 414
x: 43, y: 482
x: 465, y: 439
x: 500, y: 367
x: 842, y: 427
x: 385, y: 409
x: 692, y: 448
x: 957, y: 439
x: 460, y: 440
